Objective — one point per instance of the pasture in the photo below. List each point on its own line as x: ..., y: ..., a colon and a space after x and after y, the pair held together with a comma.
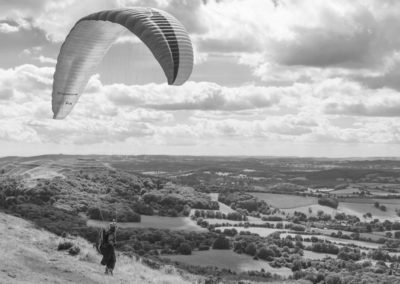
x: 361, y: 244
x: 229, y: 260
x: 345, y: 191
x: 263, y: 232
x: 359, y: 209
x: 314, y: 210
x: 172, y: 223
x: 233, y: 222
x: 285, y: 201
x: 317, y: 255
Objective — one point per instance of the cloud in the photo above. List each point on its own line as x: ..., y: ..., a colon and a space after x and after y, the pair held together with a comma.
x: 385, y: 106
x: 268, y: 73
x: 6, y: 28
x: 44, y: 59
x: 192, y: 96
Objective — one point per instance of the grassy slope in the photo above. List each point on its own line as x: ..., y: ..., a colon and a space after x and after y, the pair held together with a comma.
x: 30, y: 255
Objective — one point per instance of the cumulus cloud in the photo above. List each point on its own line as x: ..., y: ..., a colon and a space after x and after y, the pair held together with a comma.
x: 266, y: 72
x: 6, y: 28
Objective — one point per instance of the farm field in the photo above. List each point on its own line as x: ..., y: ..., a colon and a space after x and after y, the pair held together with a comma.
x: 314, y: 210
x: 381, y: 193
x: 285, y: 201
x: 233, y: 222
x: 229, y: 260
x: 172, y: 223
x: 345, y: 191
x: 317, y: 255
x: 395, y: 201
x: 374, y: 236
x: 263, y: 232
x: 359, y: 209
x: 338, y: 241
x: 225, y: 208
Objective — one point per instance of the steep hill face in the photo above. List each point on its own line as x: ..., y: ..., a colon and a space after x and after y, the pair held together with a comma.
x: 29, y: 255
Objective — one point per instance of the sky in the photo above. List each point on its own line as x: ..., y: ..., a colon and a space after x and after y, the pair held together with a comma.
x: 270, y: 78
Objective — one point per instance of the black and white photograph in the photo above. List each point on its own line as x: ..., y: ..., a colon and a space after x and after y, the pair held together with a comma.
x: 200, y: 141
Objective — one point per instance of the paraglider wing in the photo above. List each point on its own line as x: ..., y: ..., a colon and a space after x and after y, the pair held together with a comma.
x: 92, y: 36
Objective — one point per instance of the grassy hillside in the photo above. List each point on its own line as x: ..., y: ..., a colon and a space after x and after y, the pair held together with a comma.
x: 30, y: 255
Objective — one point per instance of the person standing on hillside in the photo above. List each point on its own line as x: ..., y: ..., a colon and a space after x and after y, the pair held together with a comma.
x: 107, y: 247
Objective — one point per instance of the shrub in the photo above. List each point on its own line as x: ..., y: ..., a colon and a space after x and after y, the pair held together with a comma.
x: 204, y: 247
x: 330, y: 202
x: 94, y: 213
x: 299, y: 228
x: 221, y: 243
x: 230, y: 232
x: 340, y: 216
x: 266, y: 254
x: 65, y: 245
x: 185, y: 248
x: 251, y: 249
x: 333, y: 279
x: 74, y: 250
x: 296, y: 265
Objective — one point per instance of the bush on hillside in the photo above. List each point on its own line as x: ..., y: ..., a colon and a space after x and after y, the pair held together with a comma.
x: 65, y: 245
x: 74, y: 250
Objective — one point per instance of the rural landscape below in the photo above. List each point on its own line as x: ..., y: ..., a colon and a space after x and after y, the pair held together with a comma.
x: 192, y: 219
x: 199, y: 141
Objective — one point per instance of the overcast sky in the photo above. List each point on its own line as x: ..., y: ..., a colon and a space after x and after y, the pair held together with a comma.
x: 299, y: 78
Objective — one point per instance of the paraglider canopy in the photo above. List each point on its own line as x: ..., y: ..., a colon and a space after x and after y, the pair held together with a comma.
x: 92, y: 36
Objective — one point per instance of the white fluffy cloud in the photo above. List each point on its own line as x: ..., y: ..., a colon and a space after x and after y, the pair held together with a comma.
x: 195, y: 113
x: 318, y: 72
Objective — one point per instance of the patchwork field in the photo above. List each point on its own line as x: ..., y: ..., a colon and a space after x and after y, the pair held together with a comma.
x: 263, y: 232
x: 229, y: 260
x: 317, y: 255
x: 314, y: 210
x: 233, y: 222
x: 338, y: 241
x: 284, y: 201
x: 359, y: 209
x: 172, y: 223
x: 346, y: 191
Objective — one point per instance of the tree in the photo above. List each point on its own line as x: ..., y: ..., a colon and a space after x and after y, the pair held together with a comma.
x: 340, y: 216
x: 251, y: 249
x: 297, y: 265
x: 299, y: 228
x: 221, y: 243
x: 185, y: 248
x: 333, y: 279
x: 376, y: 204
x: 328, y: 201
x: 266, y: 254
